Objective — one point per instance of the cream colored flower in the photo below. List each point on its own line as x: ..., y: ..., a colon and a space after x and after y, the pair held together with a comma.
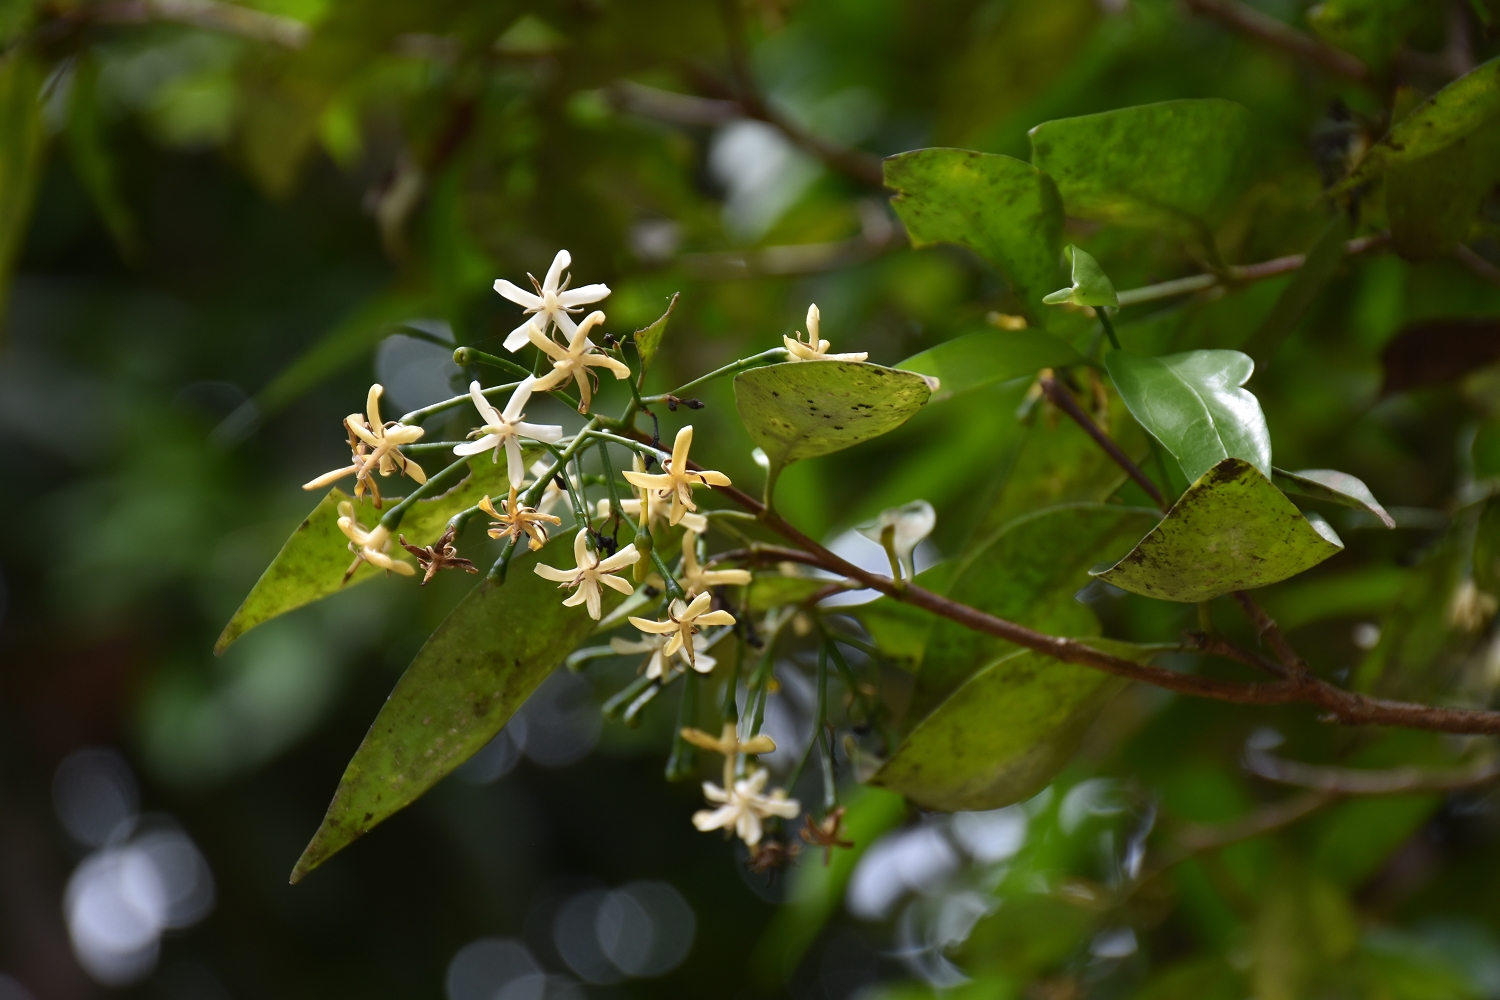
x: 505, y: 428
x: 815, y: 349
x: 743, y: 807
x: 375, y: 447
x: 574, y: 360
x: 697, y: 580
x: 658, y: 507
x: 683, y: 622
x: 660, y: 663
x: 552, y: 302
x: 371, y: 545
x: 677, y: 480
x: 907, y: 524
x: 517, y: 520
x: 589, y: 573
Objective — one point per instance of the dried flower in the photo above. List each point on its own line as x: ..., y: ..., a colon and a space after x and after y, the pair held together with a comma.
x: 697, y: 580
x: 375, y: 447
x: 827, y: 833
x: 589, y: 573
x: 814, y: 348
x: 440, y: 555
x: 771, y: 856
x: 505, y: 428
x: 743, y: 807
x: 371, y: 545
x: 676, y: 480
x: 517, y: 519
x: 552, y: 302
x: 683, y: 622
x: 574, y: 360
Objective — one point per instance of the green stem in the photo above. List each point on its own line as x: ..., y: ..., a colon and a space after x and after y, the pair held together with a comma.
x: 458, y: 522
x: 417, y: 416
x: 562, y: 457
x: 683, y: 759
x: 674, y: 589
x: 1109, y: 328
x: 615, y: 510
x: 466, y: 356
x: 624, y: 442
x: 496, y: 575
x: 818, y: 719
x: 770, y: 357
x: 626, y: 696
x: 439, y: 483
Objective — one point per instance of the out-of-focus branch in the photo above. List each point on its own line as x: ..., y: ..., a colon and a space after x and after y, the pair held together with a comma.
x: 877, y: 235
x: 1211, y: 836
x: 1269, y: 31
x: 1061, y: 398
x: 229, y: 19
x: 1242, y: 273
x: 1331, y: 780
x: 1477, y: 264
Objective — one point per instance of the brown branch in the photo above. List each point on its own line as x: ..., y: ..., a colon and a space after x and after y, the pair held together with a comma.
x: 1241, y: 274
x: 1268, y: 630
x: 1330, y: 780
x: 229, y: 19
x: 1061, y: 398
x: 1477, y: 264
x: 1198, y: 837
x: 1266, y: 29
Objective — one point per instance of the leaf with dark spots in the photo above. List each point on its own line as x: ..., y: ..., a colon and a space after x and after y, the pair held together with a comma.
x: 1439, y: 350
x: 1232, y: 530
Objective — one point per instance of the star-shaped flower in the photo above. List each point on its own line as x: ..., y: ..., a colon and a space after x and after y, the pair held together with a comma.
x: 658, y: 507
x: 552, y: 302
x: 683, y: 622
x: 517, y: 519
x: 815, y: 349
x: 375, y: 447
x: 371, y: 545
x: 743, y: 807
x: 697, y: 580
x: 590, y: 572
x: 676, y: 479
x: 438, y: 556
x: 660, y: 664
x: 574, y: 360
x: 505, y: 428
x: 728, y: 741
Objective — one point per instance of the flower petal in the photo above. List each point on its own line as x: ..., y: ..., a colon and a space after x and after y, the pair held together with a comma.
x: 560, y: 263
x: 515, y: 462
x: 714, y: 617
x: 519, y: 337
x: 487, y: 411
x: 554, y: 574
x: 549, y: 433
x: 518, y: 399
x: 583, y: 295
x: 628, y: 556
x: 617, y: 583
x: 647, y: 625
x: 476, y: 447
x: 518, y: 295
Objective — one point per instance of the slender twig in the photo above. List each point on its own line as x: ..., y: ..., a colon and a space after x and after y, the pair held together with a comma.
x: 1477, y: 264
x: 1332, y: 780
x: 770, y: 357
x: 1268, y: 819
x: 1280, y: 35
x: 1268, y: 630
x: 419, y: 415
x: 1061, y: 398
x: 1240, y: 274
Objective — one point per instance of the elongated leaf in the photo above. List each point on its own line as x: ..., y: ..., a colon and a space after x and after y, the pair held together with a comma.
x: 804, y: 409
x: 1029, y: 574
x: 311, y: 565
x: 1004, y: 733
x: 1334, y: 487
x: 1175, y: 163
x: 1193, y: 404
x: 1321, y: 265
x: 466, y: 682
x: 648, y: 341
x: 1003, y: 209
x: 1432, y: 202
x: 1232, y: 530
x: 21, y: 143
x: 985, y: 357
x: 1465, y: 106
x: 94, y: 163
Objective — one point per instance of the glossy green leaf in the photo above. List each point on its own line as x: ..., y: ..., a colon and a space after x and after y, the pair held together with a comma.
x: 467, y: 680
x: 1175, y: 163
x: 1004, y: 733
x: 648, y: 341
x: 1334, y: 487
x: 1463, y: 108
x: 1091, y: 286
x: 988, y: 356
x: 1193, y: 404
x: 1232, y: 530
x: 1311, y: 278
x: 1432, y: 202
x: 21, y: 145
x: 804, y: 409
x: 312, y: 562
x: 1002, y: 208
x: 1029, y: 573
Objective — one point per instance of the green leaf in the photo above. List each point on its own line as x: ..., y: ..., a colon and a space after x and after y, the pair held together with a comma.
x: 1004, y: 733
x: 1321, y: 264
x: 1232, y: 530
x: 648, y: 341
x: 1003, y: 209
x: 1091, y: 286
x: 21, y: 143
x: 1193, y: 404
x: 311, y: 564
x: 94, y: 163
x: 1461, y: 109
x: 988, y: 356
x: 1432, y: 202
x: 1334, y: 487
x: 468, y: 679
x: 771, y: 590
x: 1176, y: 163
x: 1369, y: 591
x: 1029, y: 573
x: 804, y: 409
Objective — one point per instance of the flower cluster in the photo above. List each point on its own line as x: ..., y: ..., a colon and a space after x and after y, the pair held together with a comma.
x: 376, y: 448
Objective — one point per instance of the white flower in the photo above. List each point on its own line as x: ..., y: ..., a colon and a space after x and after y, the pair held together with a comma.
x: 371, y: 545
x: 589, y: 573
x: 683, y: 622
x: 659, y: 665
x: 815, y: 349
x: 375, y: 447
x: 553, y: 494
x: 551, y: 303
x: 504, y: 428
x: 697, y: 580
x: 743, y: 807
x: 676, y: 479
x: 574, y: 360
x: 907, y: 524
